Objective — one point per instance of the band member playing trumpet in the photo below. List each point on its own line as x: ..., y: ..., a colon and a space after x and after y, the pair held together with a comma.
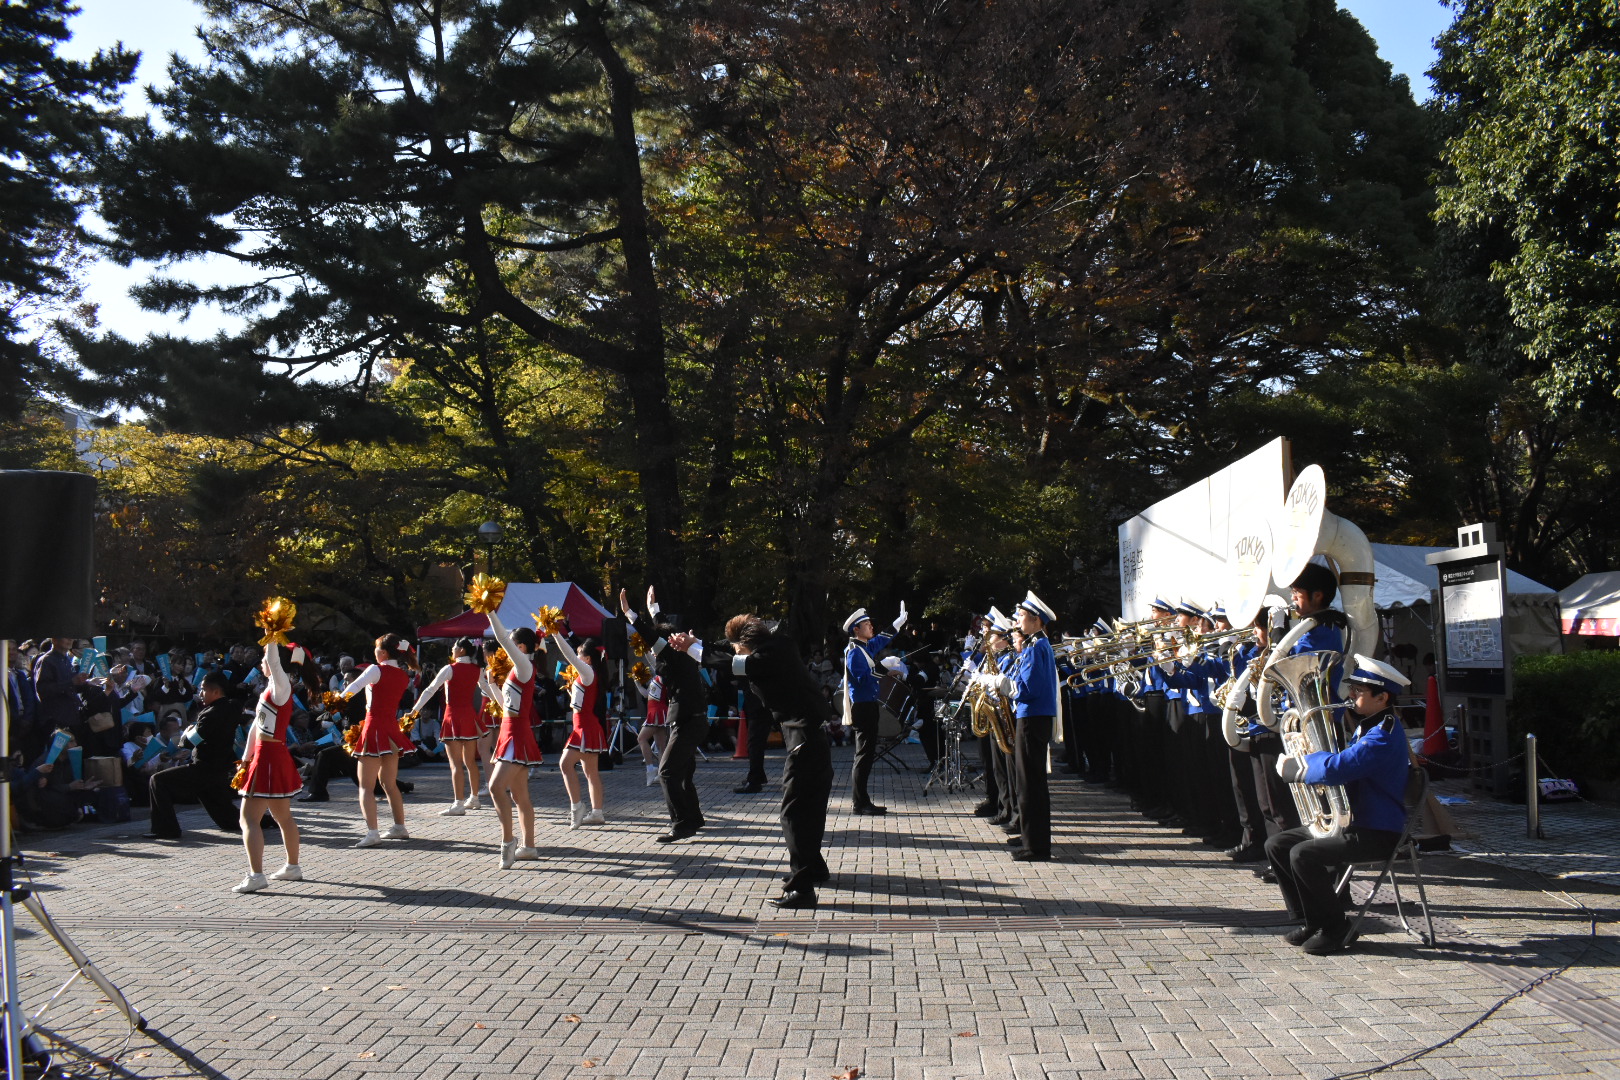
x: 861, y: 699
x: 1373, y: 770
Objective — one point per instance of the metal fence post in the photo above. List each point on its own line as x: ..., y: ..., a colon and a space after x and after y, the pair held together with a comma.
x: 1532, y: 790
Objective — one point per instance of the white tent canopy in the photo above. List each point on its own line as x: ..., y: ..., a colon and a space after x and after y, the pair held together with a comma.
x: 1592, y: 605
x: 1405, y: 579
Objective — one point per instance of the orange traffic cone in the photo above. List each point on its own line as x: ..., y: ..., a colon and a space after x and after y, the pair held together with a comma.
x: 741, y: 753
x: 1434, y: 723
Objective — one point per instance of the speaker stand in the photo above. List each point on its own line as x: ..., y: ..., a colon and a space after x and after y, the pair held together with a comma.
x: 18, y: 1028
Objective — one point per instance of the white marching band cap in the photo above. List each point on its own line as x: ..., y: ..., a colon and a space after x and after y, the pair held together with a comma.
x: 1102, y: 627
x: 998, y: 621
x: 1037, y: 607
x: 855, y: 619
x: 1378, y: 675
x: 1161, y: 604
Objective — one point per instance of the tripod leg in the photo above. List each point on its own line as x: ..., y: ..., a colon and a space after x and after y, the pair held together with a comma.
x: 91, y: 972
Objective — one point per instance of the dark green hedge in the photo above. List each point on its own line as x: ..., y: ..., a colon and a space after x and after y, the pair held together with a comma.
x: 1572, y: 704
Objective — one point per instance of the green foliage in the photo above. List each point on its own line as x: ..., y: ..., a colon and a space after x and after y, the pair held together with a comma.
x: 1531, y: 94
x: 1571, y: 703
x: 54, y: 113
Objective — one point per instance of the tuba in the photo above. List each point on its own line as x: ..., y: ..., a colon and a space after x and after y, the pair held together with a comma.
x: 1299, y: 687
x: 991, y: 713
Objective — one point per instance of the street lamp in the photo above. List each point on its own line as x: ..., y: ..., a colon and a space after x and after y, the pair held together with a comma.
x: 489, y: 534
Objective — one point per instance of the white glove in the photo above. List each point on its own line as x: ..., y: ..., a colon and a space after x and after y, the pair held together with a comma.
x: 1001, y: 684
x: 901, y: 621
x: 1291, y: 769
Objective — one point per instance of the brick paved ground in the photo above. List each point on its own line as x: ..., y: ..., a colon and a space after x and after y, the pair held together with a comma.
x: 1137, y: 954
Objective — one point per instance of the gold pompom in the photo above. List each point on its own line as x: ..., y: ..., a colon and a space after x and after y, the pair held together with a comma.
x: 240, y: 778
x: 275, y: 618
x: 638, y: 644
x: 332, y: 701
x: 500, y: 666
x: 351, y: 740
x: 407, y: 722
x: 565, y: 681
x: 486, y: 594
x: 550, y: 620
x: 640, y: 672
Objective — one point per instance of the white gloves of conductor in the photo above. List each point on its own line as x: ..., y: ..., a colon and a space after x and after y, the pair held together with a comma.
x: 1291, y: 769
x: 901, y: 620
x: 1001, y: 684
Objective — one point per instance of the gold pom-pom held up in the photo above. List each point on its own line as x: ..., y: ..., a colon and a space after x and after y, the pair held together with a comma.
x: 638, y: 644
x: 500, y: 666
x: 275, y: 618
x: 640, y: 672
x: 550, y: 620
x: 486, y: 594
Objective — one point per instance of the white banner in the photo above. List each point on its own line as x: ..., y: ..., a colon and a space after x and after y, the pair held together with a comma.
x: 1177, y: 548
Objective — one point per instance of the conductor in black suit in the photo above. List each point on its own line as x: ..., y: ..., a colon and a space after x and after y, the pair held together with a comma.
x: 679, y: 659
x: 771, y: 662
x: 207, y: 778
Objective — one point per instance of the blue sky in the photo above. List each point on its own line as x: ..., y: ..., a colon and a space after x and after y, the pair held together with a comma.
x: 1403, y: 29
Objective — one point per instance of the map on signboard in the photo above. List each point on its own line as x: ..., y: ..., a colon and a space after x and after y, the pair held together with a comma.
x: 1474, y: 624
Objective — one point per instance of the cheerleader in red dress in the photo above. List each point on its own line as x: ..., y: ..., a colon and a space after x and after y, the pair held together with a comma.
x: 462, y: 722
x: 381, y: 740
x: 655, y: 729
x: 515, y: 749
x: 587, y: 739
x: 270, y: 779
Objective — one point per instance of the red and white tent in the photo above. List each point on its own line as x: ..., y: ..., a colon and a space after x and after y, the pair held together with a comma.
x: 523, y: 601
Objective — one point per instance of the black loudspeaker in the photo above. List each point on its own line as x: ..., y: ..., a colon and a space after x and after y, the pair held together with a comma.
x: 614, y: 639
x: 47, y: 569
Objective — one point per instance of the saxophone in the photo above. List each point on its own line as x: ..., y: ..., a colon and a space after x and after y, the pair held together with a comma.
x: 991, y: 713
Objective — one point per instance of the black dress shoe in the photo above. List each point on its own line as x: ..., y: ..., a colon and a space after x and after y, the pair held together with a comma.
x: 1267, y: 875
x: 310, y: 796
x: 158, y: 836
x: 871, y: 809
x: 1032, y: 856
x: 1300, y: 935
x: 1252, y: 853
x: 984, y: 809
x: 749, y: 789
x: 1015, y: 841
x: 1000, y: 819
x: 674, y: 835
x: 794, y: 899
x: 1324, y: 942
x: 405, y: 786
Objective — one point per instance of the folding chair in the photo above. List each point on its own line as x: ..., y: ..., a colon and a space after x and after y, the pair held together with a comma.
x: 1417, y: 789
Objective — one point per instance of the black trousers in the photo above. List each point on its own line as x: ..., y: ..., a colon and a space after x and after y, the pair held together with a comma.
x: 1277, y: 807
x: 989, y: 772
x: 864, y: 717
x: 1152, y: 754
x: 678, y: 765
x: 191, y: 783
x: 1252, y: 826
x: 807, y: 777
x: 1006, y: 780
x: 759, y: 740
x: 332, y: 763
x: 1029, y: 769
x: 1306, y: 869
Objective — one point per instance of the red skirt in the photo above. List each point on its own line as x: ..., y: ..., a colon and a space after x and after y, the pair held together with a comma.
x: 271, y: 773
x: 516, y: 743
x: 454, y: 729
x: 382, y: 738
x: 587, y: 736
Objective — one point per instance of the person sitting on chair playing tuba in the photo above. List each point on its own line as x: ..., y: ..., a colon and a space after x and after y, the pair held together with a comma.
x: 1373, y: 771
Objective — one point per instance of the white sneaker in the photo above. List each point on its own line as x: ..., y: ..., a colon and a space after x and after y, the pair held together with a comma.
x: 289, y: 872
x: 455, y: 809
x: 526, y: 854
x: 252, y: 883
x: 396, y: 831
x: 594, y: 817
x: 508, y: 853
x: 652, y: 775
x: 371, y: 839
x: 470, y: 803
x: 576, y: 814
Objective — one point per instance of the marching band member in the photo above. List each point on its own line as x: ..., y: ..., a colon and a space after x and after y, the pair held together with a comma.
x: 861, y: 699
x: 587, y: 739
x: 1034, y: 686
x: 381, y: 741
x: 677, y: 660
x: 770, y: 661
x: 515, y: 749
x: 998, y: 766
x: 462, y: 725
x: 1373, y: 771
x: 270, y: 779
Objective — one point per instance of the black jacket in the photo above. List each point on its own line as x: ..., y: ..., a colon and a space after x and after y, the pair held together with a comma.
x: 683, y: 676
x: 784, y: 684
x: 218, y: 723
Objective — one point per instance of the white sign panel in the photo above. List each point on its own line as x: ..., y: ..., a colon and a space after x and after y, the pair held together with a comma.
x: 1178, y: 547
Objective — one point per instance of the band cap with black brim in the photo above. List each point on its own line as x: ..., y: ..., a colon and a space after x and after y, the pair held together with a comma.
x: 1385, y: 678
x: 855, y: 619
x: 1037, y: 607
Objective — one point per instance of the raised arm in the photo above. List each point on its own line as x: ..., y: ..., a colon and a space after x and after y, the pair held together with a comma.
x: 584, y: 673
x: 280, y: 685
x: 522, y: 666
